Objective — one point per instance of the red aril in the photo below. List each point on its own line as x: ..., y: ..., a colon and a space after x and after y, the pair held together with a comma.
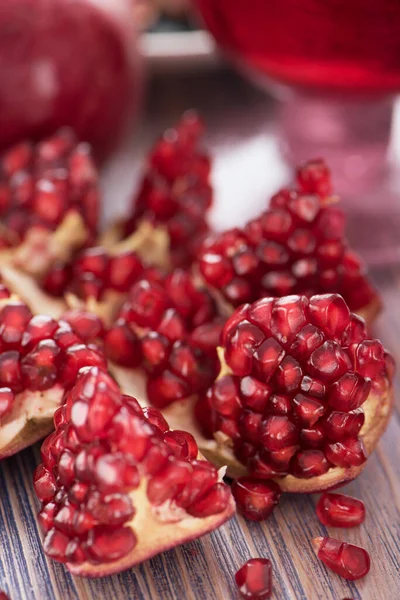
x: 254, y: 579
x: 255, y: 499
x: 337, y: 510
x: 348, y: 561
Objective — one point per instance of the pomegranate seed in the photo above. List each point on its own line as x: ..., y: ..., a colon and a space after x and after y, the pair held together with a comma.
x: 254, y: 579
x: 10, y: 370
x: 167, y: 484
x: 255, y: 499
x: 182, y: 444
x: 349, y: 452
x: 121, y: 345
x: 87, y: 325
x: 348, y: 561
x: 45, y: 485
x: 212, y: 503
x: 337, y: 510
x: 106, y: 546
x: 123, y: 270
x: 156, y: 419
x: 3, y: 596
x: 40, y: 366
x: 278, y: 432
x: 341, y: 425
x: 309, y: 463
x: 314, y: 178
x: 14, y: 318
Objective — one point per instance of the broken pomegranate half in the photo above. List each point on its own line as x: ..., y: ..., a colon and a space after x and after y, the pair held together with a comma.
x: 169, y: 213
x: 296, y: 246
x: 39, y: 360
x: 117, y: 486
x: 48, y: 202
x: 303, y: 395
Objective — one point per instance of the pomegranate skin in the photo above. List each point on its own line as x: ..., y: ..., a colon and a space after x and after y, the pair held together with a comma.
x: 65, y: 63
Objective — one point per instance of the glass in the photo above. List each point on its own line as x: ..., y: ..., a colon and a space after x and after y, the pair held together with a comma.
x: 335, y: 66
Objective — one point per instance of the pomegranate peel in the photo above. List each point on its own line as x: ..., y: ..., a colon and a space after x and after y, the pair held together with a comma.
x: 113, y: 490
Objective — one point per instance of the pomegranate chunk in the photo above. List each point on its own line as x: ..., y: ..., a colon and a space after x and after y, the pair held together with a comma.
x: 254, y: 579
x: 296, y: 246
x: 108, y: 461
x: 175, y: 193
x: 337, y: 510
x: 348, y: 561
x: 52, y: 207
x: 39, y: 360
x: 293, y: 395
x: 154, y: 329
x: 255, y: 499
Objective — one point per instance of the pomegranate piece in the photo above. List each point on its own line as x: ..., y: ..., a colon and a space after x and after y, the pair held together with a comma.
x: 337, y: 510
x: 174, y: 196
x: 296, y: 246
x: 101, y: 41
x: 254, y: 579
x: 39, y: 360
x: 294, y: 397
x: 154, y: 329
x: 255, y: 499
x: 108, y: 468
x: 52, y: 206
x: 348, y: 561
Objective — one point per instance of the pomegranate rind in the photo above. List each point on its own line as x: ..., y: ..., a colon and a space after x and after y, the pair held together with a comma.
x: 180, y: 415
x: 150, y: 242
x: 30, y: 419
x: 154, y: 536
x: 41, y: 247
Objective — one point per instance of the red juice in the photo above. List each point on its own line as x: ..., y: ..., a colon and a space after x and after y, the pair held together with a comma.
x: 340, y: 45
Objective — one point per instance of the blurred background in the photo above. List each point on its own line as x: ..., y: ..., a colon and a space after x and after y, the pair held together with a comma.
x: 277, y: 82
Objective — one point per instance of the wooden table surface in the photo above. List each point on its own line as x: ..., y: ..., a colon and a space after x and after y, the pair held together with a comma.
x: 247, y: 169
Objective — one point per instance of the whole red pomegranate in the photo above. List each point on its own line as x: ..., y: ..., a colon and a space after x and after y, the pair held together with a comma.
x: 66, y: 62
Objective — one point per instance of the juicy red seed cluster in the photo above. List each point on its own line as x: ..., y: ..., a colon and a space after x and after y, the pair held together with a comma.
x: 94, y: 271
x: 37, y: 353
x: 337, y: 510
x: 254, y: 579
x: 176, y: 190
x: 40, y: 184
x: 296, y: 246
x: 301, y: 371
x: 348, y: 561
x: 103, y: 448
x: 171, y: 331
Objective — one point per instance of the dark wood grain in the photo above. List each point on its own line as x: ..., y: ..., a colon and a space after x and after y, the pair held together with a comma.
x: 247, y: 169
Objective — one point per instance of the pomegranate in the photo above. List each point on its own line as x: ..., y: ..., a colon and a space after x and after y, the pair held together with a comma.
x: 254, y: 579
x: 117, y: 486
x: 158, y: 329
x: 296, y: 246
x: 348, y: 561
x: 303, y: 395
x: 39, y: 360
x: 337, y: 510
x: 66, y: 63
x: 169, y: 214
x: 48, y: 202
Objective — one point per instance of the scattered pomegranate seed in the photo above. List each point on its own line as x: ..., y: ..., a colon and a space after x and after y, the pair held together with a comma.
x: 254, y: 579
x: 337, y: 510
x: 348, y: 561
x: 3, y: 596
x: 296, y: 246
x: 293, y: 403
x: 255, y: 499
x: 105, y: 447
